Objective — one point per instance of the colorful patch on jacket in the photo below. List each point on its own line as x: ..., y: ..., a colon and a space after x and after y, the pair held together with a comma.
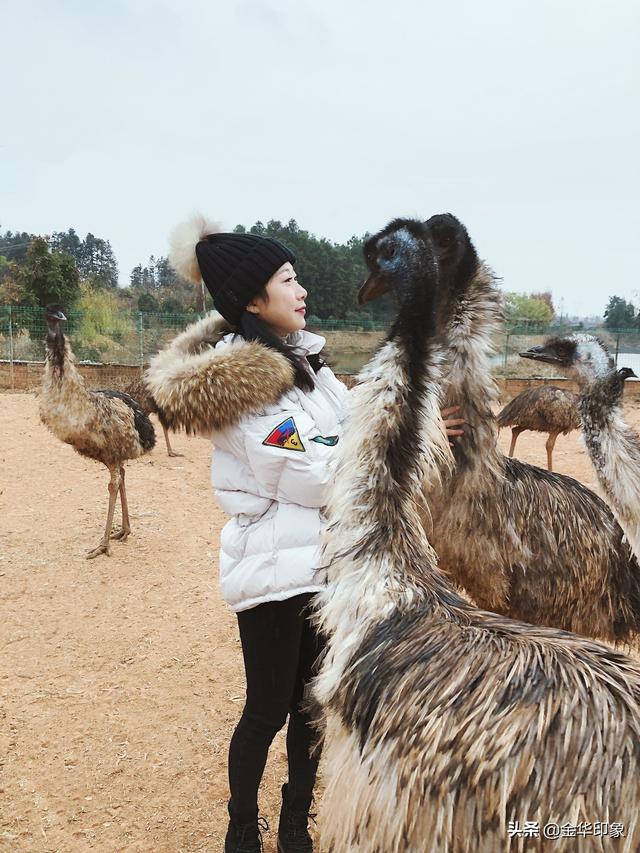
x: 285, y: 435
x: 329, y: 440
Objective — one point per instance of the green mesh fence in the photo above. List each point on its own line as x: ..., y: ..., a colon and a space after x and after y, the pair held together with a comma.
x: 133, y: 337
x: 130, y: 337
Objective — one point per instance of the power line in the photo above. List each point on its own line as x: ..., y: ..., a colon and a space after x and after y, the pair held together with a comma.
x: 10, y: 246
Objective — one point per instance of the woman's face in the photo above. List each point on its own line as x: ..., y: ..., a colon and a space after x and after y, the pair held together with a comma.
x: 283, y: 308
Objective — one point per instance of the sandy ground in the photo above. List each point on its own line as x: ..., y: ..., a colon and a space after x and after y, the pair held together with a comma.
x: 121, y: 678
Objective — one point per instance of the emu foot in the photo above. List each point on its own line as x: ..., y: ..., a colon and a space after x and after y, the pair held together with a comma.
x: 103, y: 548
x: 122, y: 534
x: 173, y: 453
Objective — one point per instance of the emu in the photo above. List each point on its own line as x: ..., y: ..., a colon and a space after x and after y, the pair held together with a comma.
x: 107, y: 426
x: 443, y: 722
x: 613, y: 447
x: 545, y: 408
x: 527, y: 543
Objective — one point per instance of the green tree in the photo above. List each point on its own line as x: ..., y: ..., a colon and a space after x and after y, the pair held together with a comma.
x: 524, y: 310
x: 171, y: 305
x: 619, y: 314
x: 48, y: 276
x: 98, y: 263
x: 546, y: 297
x: 136, y: 277
x: 102, y: 325
x: 14, y: 245
x: 93, y: 256
x: 148, y: 302
x: 69, y: 242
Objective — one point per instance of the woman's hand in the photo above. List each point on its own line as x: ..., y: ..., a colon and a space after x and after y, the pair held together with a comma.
x: 450, y: 423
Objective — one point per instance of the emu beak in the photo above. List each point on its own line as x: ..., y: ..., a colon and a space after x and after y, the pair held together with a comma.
x: 373, y: 288
x: 56, y: 315
x: 541, y: 353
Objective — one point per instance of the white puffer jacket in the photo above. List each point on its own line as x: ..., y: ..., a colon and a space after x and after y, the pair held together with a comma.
x: 269, y: 472
x: 273, y: 447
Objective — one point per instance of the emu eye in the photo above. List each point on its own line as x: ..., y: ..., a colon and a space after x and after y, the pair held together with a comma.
x: 388, y: 251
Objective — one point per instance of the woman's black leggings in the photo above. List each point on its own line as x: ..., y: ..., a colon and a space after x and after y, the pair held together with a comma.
x: 280, y: 648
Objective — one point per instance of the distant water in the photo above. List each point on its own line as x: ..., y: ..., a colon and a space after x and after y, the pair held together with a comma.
x: 630, y: 359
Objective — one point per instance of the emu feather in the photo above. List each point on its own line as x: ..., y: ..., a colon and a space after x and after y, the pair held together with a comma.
x: 527, y: 543
x: 445, y: 722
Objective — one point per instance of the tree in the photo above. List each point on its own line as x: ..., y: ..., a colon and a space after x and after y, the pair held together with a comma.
x: 14, y: 245
x: 136, y: 277
x: 48, y: 276
x: 11, y: 292
x: 93, y: 256
x: 69, y: 242
x: 619, y: 314
x: 171, y: 305
x: 527, y: 310
x: 98, y: 264
x: 148, y: 302
x: 546, y: 297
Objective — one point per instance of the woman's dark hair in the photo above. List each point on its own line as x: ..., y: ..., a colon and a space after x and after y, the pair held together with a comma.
x: 252, y: 328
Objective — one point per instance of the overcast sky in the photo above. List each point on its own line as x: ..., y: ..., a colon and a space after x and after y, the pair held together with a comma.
x: 522, y: 118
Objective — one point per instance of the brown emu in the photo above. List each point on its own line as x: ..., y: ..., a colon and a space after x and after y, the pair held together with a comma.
x: 613, y: 447
x: 443, y: 722
x: 545, y: 408
x: 107, y: 426
x: 527, y: 543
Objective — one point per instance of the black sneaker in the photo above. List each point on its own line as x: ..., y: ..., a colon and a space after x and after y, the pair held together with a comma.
x: 246, y: 837
x: 293, y: 830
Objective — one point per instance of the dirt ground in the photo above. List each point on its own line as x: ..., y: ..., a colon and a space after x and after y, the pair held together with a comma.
x: 121, y: 678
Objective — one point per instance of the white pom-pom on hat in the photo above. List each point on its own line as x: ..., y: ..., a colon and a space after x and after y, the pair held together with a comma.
x: 183, y: 240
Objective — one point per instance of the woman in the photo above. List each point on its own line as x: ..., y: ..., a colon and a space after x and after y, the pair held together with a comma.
x: 276, y: 410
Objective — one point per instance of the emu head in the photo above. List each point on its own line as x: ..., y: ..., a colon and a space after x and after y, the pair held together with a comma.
x: 626, y: 373
x: 54, y: 316
x: 426, y: 265
x: 584, y: 357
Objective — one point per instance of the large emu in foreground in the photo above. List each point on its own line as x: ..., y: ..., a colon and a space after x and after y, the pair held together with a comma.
x: 444, y: 723
x: 527, y: 543
x: 544, y: 408
x: 107, y: 426
x: 613, y: 447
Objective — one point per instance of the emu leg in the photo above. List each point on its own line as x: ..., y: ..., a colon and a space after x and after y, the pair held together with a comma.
x: 515, y: 432
x: 114, y: 486
x: 551, y: 443
x: 125, y: 530
x: 170, y: 452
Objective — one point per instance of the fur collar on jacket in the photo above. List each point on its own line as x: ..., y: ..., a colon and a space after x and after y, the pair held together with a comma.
x: 200, y: 390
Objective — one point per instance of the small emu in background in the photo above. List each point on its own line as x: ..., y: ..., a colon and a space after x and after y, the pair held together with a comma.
x: 108, y: 426
x: 546, y: 408
x: 613, y: 447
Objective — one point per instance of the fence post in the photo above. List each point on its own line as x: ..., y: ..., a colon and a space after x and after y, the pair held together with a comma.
x: 617, y: 346
x: 141, y: 339
x: 11, y: 373
x: 506, y: 350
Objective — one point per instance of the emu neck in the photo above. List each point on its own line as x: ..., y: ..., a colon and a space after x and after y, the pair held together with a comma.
x: 468, y: 382
x: 614, y: 450
x: 61, y: 376
x: 375, y: 548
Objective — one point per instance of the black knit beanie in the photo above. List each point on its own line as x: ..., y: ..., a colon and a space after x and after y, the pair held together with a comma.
x: 235, y: 268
